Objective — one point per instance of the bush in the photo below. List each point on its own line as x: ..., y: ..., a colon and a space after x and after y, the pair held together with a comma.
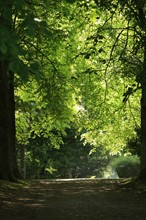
x: 126, y: 167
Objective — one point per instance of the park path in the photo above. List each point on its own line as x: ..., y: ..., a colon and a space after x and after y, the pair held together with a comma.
x: 72, y: 200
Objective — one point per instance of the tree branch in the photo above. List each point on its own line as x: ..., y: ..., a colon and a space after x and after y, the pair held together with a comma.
x: 39, y: 50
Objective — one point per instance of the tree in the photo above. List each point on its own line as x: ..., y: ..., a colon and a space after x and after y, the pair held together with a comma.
x: 133, y: 144
x: 8, y: 164
x: 135, y: 13
x: 26, y: 32
x: 68, y: 158
x: 109, y: 61
x: 71, y: 62
x: 98, y: 78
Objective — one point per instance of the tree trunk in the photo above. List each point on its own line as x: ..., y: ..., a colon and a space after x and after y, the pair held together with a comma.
x: 143, y: 140
x: 22, y: 161
x: 12, y: 127
x: 8, y: 163
x: 143, y: 119
x: 5, y: 171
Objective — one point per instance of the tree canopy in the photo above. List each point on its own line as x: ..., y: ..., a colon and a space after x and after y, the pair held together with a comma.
x: 64, y: 63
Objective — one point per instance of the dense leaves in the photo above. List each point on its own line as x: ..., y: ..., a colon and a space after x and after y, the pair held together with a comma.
x: 73, y: 158
x: 79, y: 63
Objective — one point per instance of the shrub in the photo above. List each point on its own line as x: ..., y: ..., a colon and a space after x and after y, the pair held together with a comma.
x: 126, y: 167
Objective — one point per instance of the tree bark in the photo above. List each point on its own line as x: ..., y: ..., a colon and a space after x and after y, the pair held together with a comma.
x: 143, y: 120
x: 12, y: 127
x: 8, y: 163
x: 4, y: 123
x: 143, y: 140
x: 22, y: 161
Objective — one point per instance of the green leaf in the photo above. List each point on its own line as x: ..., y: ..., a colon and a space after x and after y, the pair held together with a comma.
x: 71, y: 1
x: 101, y: 50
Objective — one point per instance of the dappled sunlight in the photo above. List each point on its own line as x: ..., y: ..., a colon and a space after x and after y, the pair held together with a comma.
x: 71, y: 199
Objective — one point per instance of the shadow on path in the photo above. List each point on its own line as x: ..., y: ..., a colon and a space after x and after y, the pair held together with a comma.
x: 72, y: 199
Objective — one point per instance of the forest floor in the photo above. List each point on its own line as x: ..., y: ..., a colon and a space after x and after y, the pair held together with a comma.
x: 83, y: 199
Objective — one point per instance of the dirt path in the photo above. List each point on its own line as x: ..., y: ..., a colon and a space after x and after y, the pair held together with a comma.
x: 68, y: 200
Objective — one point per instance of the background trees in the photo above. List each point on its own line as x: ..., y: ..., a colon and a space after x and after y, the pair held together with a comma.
x: 70, y: 62
x: 132, y: 55
x: 73, y: 158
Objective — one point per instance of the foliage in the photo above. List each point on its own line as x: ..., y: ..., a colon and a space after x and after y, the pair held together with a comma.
x: 133, y: 144
x: 102, y: 80
x: 85, y: 80
x: 72, y: 159
x: 77, y: 62
x: 126, y: 166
